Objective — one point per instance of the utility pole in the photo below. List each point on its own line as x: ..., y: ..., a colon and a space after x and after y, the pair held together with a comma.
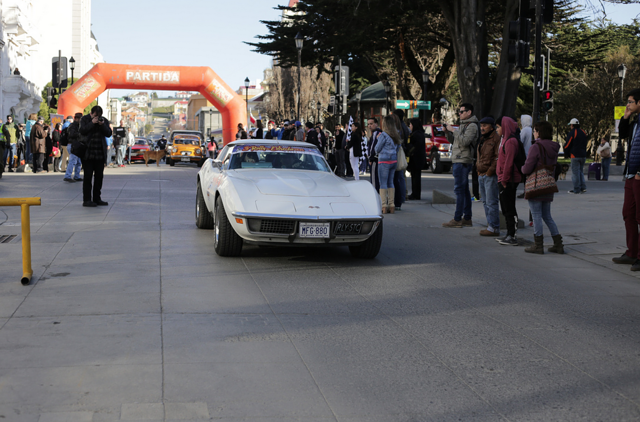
x: 537, y: 78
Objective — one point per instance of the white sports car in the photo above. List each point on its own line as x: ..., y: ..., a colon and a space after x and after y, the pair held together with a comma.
x: 271, y: 192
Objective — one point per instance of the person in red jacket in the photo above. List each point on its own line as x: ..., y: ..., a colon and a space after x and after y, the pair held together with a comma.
x: 508, y: 176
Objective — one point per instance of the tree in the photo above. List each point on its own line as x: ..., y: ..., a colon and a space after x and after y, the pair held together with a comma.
x: 154, y: 95
x: 148, y: 128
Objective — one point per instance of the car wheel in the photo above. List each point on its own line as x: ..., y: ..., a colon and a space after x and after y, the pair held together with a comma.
x: 226, y: 241
x: 204, y: 219
x: 201, y: 162
x: 168, y: 161
x: 369, y: 248
x: 436, y: 164
x: 172, y: 163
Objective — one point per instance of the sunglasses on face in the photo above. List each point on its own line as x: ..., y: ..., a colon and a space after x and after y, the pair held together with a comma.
x: 462, y: 111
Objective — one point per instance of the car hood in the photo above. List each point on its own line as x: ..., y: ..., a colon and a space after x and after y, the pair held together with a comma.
x: 293, y: 182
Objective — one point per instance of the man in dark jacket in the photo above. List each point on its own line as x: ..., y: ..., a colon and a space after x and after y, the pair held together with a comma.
x: 374, y: 129
x: 488, y: 150
x: 630, y: 130
x: 340, y: 155
x: 75, y: 163
x: 9, y: 132
x: 94, y: 129
x: 576, y: 147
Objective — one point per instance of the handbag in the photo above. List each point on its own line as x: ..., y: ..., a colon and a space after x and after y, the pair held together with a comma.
x: 402, y: 159
x: 56, y: 152
x: 541, y: 181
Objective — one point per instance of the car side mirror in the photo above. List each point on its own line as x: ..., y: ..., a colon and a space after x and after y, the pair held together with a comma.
x: 216, y: 164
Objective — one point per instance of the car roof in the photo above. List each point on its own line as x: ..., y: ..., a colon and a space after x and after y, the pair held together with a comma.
x: 271, y: 142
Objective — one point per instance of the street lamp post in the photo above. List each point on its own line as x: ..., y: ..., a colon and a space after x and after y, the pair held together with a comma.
x: 299, y: 40
x: 358, y: 98
x: 72, y: 65
x: 622, y: 71
x: 246, y: 95
x: 425, y: 85
x: 318, y: 107
x: 387, y: 89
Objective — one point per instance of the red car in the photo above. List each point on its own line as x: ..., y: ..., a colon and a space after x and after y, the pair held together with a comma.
x: 137, y: 149
x: 438, y: 148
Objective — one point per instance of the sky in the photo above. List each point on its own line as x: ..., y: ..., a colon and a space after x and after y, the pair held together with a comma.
x: 207, y: 33
x: 185, y: 33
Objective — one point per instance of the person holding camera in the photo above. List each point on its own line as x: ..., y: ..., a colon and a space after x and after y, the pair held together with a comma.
x: 94, y: 129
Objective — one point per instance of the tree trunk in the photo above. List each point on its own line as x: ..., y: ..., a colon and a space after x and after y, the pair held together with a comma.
x: 505, y: 91
x: 465, y: 19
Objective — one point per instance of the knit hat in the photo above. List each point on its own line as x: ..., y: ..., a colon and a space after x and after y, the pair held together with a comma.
x: 488, y: 120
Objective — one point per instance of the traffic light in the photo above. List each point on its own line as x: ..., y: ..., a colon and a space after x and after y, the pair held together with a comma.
x: 547, y: 101
x: 519, y: 42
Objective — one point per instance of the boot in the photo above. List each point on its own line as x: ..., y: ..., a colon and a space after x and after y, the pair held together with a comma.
x: 538, y: 245
x: 557, y: 247
x: 390, y: 199
x: 383, y: 199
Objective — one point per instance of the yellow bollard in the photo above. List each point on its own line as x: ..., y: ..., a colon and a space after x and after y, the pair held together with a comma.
x: 24, y: 204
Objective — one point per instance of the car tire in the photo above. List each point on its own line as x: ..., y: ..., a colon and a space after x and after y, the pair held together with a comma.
x: 201, y: 162
x: 172, y: 163
x: 436, y: 164
x: 369, y: 248
x: 226, y: 241
x: 204, y: 219
x: 168, y: 161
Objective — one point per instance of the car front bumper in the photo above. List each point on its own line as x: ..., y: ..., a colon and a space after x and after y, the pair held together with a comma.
x: 288, y: 228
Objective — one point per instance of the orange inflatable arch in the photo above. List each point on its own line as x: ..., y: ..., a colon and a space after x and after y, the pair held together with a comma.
x: 104, y: 76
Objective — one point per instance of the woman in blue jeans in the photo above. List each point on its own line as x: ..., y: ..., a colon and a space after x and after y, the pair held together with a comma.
x: 543, y: 151
x: 386, y: 148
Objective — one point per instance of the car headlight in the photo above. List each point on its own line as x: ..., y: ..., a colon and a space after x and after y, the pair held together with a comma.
x: 444, y: 147
x: 198, y: 151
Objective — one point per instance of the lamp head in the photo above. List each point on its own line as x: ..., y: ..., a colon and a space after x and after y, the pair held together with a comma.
x: 387, y: 86
x: 72, y: 63
x: 299, y: 40
x: 247, y: 82
x: 622, y: 71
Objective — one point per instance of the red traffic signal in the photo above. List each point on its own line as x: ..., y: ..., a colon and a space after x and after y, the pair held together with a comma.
x: 547, y: 95
x: 547, y: 101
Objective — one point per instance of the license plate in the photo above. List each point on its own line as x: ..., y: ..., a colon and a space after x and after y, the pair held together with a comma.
x: 348, y: 228
x: 185, y: 159
x: 317, y: 230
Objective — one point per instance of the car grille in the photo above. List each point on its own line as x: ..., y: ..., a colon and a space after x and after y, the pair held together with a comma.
x: 272, y: 226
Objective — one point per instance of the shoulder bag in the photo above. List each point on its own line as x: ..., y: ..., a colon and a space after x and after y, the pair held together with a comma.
x: 541, y: 181
x: 402, y: 159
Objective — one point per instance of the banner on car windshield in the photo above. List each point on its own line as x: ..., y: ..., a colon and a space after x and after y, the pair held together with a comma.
x: 275, y: 148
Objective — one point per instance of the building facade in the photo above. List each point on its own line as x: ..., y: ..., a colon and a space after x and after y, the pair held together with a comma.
x: 20, y: 95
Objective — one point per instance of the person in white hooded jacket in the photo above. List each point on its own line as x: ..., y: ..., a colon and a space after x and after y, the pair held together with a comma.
x: 526, y: 133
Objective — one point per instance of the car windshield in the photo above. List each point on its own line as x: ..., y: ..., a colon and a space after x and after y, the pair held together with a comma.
x: 186, y: 140
x: 141, y: 142
x: 439, y: 131
x: 278, y: 157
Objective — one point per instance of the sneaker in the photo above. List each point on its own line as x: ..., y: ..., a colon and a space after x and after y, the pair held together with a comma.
x: 509, y: 241
x: 571, y: 191
x: 583, y: 191
x: 624, y: 259
x: 501, y: 239
x: 485, y: 232
x: 467, y: 223
x: 68, y: 179
x: 101, y: 203
x: 636, y: 265
x: 89, y: 204
x: 78, y: 179
x: 453, y: 224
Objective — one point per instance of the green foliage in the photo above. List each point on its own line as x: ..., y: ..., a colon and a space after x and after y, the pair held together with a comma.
x: 148, y: 128
x: 162, y: 110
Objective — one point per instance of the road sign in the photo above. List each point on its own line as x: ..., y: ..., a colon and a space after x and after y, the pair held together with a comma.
x: 619, y: 112
x: 413, y: 105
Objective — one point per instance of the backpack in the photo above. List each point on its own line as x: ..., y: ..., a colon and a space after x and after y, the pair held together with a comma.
x: 64, y: 137
x: 521, y: 156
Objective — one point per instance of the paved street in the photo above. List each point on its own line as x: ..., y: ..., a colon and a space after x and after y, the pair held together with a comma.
x: 132, y: 316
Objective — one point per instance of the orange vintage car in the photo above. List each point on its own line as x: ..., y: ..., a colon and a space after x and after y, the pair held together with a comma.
x: 186, y: 147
